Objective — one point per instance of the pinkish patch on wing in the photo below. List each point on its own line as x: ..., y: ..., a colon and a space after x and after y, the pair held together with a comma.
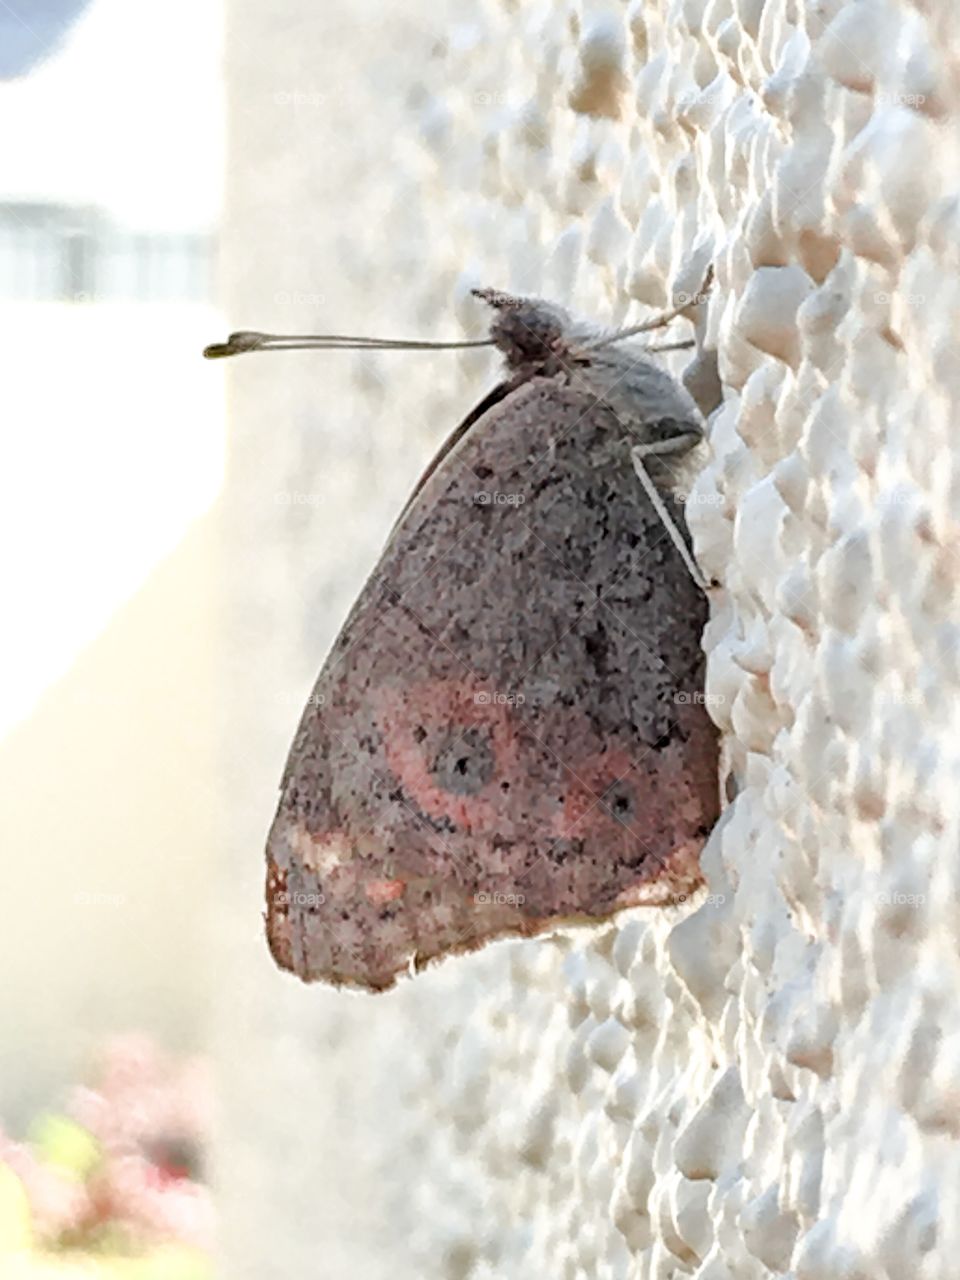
x: 380, y: 892
x: 584, y: 805
x: 411, y: 715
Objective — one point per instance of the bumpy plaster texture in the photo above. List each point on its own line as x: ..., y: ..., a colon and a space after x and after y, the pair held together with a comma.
x: 766, y: 1083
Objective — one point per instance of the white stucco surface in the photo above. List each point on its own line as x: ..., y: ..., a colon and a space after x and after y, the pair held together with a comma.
x: 768, y: 1083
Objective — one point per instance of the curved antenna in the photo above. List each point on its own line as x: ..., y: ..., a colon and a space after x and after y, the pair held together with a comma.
x: 246, y: 340
x: 658, y: 322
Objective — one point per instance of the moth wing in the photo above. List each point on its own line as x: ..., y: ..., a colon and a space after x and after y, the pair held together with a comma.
x: 507, y: 733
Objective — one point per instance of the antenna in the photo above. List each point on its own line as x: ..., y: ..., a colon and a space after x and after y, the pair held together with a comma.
x: 246, y: 340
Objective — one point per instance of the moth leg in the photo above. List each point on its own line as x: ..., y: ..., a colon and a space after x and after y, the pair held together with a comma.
x: 686, y: 345
x: 664, y: 448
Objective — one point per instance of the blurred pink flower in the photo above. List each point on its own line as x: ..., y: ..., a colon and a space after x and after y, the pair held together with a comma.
x: 150, y: 1116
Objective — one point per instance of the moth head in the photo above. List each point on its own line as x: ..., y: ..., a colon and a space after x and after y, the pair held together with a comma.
x: 539, y: 338
x: 534, y: 336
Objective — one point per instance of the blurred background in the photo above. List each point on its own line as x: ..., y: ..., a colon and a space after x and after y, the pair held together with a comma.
x: 171, y: 1105
x: 111, y: 172
x: 167, y: 1096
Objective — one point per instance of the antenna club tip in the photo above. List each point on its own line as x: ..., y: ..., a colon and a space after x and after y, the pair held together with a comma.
x: 236, y: 344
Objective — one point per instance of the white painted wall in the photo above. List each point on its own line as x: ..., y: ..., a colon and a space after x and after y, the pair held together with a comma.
x: 767, y: 1087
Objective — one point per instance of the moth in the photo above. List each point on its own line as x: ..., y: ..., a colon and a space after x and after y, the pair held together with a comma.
x: 509, y: 733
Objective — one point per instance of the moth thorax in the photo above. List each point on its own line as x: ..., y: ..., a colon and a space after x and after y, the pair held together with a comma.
x: 530, y: 335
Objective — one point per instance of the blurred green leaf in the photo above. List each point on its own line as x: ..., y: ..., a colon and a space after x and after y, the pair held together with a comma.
x: 163, y: 1264
x: 65, y: 1144
x: 15, y: 1234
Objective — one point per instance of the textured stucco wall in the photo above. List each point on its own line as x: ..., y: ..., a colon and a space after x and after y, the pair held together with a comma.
x: 769, y: 1083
